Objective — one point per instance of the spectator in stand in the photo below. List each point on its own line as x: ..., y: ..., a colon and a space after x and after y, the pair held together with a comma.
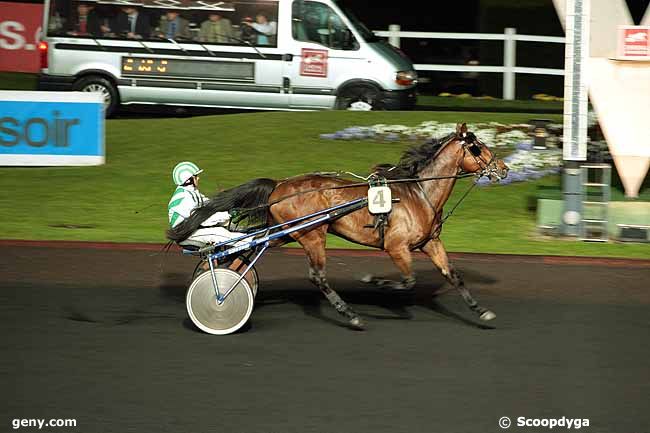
x: 173, y: 26
x: 247, y: 33
x: 266, y: 30
x: 85, y: 23
x: 216, y: 29
x: 132, y: 23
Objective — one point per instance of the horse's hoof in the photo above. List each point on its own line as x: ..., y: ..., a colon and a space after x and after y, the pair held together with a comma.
x: 367, y: 278
x: 487, y: 315
x: 357, y: 324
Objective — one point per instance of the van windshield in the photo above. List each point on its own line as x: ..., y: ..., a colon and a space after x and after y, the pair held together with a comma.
x: 317, y: 22
x: 239, y: 22
x: 360, y: 27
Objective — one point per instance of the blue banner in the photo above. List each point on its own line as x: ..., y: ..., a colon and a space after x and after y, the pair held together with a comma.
x: 44, y: 131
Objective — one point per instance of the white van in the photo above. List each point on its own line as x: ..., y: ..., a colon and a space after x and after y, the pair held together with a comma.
x: 271, y: 54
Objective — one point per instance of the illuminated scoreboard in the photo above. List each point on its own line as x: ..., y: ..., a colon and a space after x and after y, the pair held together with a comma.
x: 145, y: 66
x: 188, y: 69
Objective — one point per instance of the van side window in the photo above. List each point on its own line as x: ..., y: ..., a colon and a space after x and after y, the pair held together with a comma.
x: 316, y: 22
x: 243, y: 22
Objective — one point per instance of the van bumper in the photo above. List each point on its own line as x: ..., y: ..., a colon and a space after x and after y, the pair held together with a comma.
x: 399, y: 99
x: 54, y: 82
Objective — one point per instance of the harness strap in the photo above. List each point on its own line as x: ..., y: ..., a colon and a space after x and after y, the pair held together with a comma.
x: 426, y: 197
x: 458, y: 203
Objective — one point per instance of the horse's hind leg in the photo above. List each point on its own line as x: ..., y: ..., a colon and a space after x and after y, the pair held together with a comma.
x: 314, y: 244
x: 436, y: 251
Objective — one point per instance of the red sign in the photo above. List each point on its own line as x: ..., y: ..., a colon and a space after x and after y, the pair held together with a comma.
x: 314, y: 63
x: 20, y: 27
x: 634, y: 42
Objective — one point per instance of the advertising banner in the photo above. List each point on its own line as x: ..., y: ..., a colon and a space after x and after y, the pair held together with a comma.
x: 20, y: 28
x: 51, y: 128
x: 634, y: 43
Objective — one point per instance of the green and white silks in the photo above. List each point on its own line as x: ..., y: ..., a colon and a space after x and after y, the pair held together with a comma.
x: 184, y: 200
x: 187, y: 198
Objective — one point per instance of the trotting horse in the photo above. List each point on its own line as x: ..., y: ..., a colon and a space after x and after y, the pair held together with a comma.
x: 415, y: 221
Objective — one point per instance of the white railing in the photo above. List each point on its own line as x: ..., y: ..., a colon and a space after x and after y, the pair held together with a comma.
x: 509, y: 68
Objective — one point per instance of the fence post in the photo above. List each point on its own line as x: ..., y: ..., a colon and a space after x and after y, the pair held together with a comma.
x: 509, y: 62
x: 394, y: 38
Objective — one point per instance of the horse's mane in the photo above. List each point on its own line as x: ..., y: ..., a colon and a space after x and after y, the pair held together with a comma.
x: 413, y: 160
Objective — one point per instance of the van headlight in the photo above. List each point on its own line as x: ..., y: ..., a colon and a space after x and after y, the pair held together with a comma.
x: 406, y: 78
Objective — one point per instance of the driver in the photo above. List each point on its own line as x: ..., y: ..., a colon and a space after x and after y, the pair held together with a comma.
x: 186, y: 198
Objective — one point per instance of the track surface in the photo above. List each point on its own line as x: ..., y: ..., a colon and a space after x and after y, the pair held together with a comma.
x: 102, y: 336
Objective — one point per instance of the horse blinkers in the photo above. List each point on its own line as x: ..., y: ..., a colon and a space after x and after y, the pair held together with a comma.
x: 486, y: 168
x: 469, y: 141
x: 474, y: 149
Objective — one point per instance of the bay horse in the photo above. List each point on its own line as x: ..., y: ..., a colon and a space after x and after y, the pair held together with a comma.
x: 415, y: 222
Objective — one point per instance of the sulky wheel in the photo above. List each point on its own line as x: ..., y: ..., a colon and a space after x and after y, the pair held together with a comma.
x: 238, y: 265
x: 206, y: 313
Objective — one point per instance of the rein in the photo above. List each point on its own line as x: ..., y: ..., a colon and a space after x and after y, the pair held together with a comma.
x: 353, y: 185
x: 450, y: 212
x: 359, y: 184
x: 485, y: 170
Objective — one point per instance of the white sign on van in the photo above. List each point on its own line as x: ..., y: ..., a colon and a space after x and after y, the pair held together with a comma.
x: 314, y: 63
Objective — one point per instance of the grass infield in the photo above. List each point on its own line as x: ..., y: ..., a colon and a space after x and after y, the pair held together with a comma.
x: 126, y: 199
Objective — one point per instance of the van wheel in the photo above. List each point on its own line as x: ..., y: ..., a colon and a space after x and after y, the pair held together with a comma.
x: 94, y: 83
x: 360, y: 98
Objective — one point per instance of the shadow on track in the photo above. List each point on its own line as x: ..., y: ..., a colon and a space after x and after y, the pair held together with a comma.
x: 298, y: 291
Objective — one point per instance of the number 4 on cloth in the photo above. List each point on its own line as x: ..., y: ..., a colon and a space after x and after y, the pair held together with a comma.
x: 379, y: 199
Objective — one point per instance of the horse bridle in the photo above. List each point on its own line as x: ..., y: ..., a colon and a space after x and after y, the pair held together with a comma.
x: 470, y: 143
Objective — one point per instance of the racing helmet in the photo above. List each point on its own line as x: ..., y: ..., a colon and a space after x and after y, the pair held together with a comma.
x: 183, y: 171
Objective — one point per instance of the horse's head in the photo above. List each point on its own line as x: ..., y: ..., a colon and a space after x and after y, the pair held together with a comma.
x: 477, y: 157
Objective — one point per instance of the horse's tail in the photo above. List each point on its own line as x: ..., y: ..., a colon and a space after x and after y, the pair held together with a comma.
x: 252, y: 197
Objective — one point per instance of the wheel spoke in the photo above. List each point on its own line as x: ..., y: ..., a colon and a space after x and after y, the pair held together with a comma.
x: 98, y: 88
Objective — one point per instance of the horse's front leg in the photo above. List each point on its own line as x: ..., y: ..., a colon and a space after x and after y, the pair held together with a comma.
x: 401, y: 256
x: 436, y: 251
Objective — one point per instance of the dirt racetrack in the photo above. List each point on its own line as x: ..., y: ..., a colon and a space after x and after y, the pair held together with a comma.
x: 101, y: 335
